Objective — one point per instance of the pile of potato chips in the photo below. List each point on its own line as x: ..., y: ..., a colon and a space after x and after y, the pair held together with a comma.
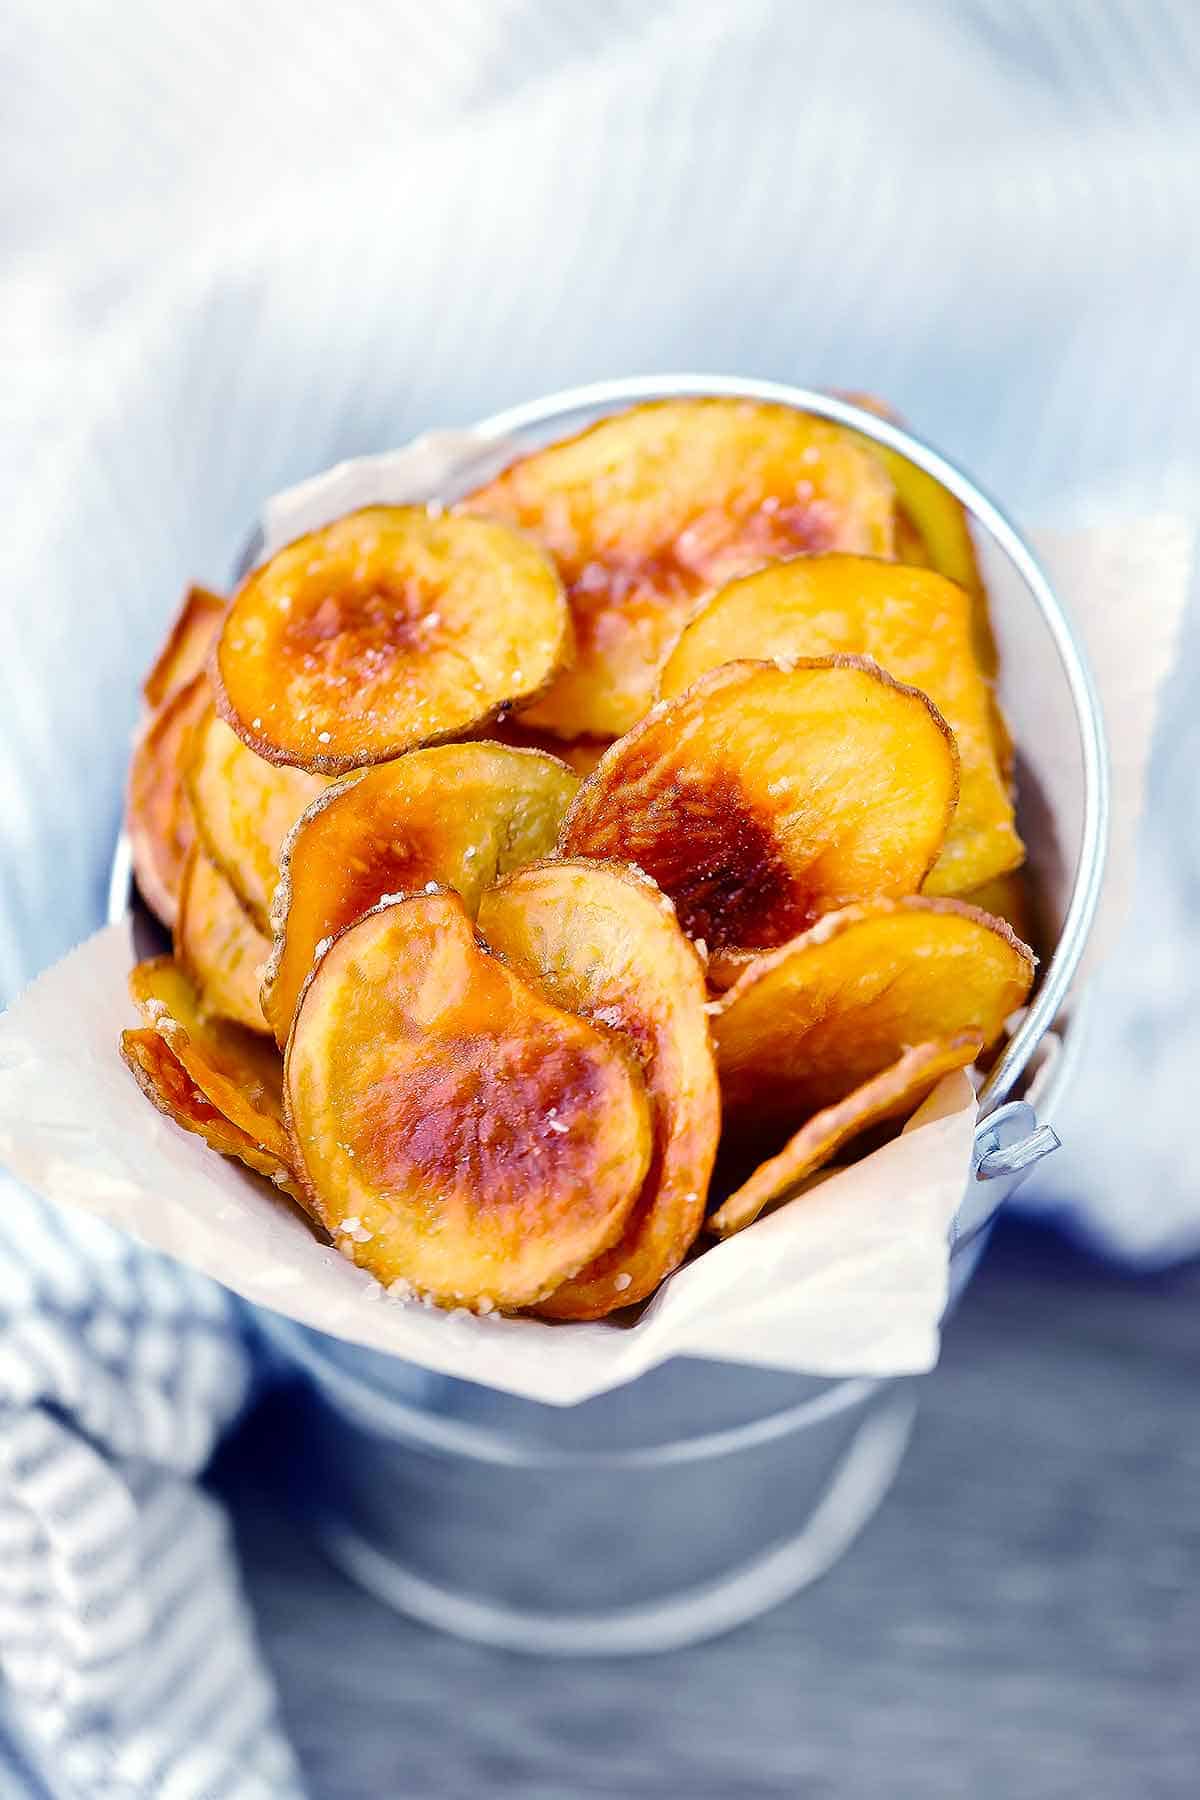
x: 568, y: 874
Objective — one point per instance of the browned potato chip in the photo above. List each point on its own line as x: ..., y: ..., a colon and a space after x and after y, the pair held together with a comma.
x: 458, y: 815
x: 601, y: 941
x: 392, y: 627
x: 158, y: 817
x: 218, y: 946
x: 646, y: 511
x: 917, y: 626
x: 244, y: 808
x: 892, y: 1094
x: 186, y: 650
x: 808, y: 1023
x: 769, y: 794
x: 238, y: 1073
x: 456, y: 1132
x: 932, y: 529
x: 167, y: 1084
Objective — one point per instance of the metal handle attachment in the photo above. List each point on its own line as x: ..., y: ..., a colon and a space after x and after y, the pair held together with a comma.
x: 1007, y: 1145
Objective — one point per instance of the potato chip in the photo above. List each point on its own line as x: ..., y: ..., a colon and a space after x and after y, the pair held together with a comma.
x: 158, y: 817
x: 648, y: 510
x: 767, y: 795
x: 933, y: 530
x: 894, y: 1093
x: 458, y: 815
x: 601, y: 941
x: 458, y: 1134
x: 917, y: 626
x: 167, y: 1084
x: 244, y: 808
x: 392, y: 627
x: 808, y: 1023
x: 186, y: 650
x: 218, y: 946
x: 238, y: 1073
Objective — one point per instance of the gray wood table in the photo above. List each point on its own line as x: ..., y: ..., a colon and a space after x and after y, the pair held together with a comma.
x: 1022, y: 1618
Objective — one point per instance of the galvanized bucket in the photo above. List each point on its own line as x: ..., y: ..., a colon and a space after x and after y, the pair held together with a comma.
x: 702, y: 1493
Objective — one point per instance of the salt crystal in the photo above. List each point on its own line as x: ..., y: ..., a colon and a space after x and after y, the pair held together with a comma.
x: 558, y: 1126
x: 431, y: 887
x: 322, y: 737
x: 351, y: 1224
x: 255, y: 723
x: 622, y: 1281
x: 484, y: 1305
x: 322, y: 946
x: 433, y: 619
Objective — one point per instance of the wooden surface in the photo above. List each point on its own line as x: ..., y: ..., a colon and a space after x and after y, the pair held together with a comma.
x: 1022, y: 1618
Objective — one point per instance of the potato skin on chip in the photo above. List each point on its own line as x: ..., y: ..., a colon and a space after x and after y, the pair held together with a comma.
x: 168, y: 1086
x: 893, y: 1093
x: 390, y: 628
x: 217, y: 945
x: 649, y: 509
x: 1010, y: 897
x: 767, y: 795
x: 186, y: 650
x: 238, y: 1073
x: 455, y: 1131
x: 244, y: 807
x: 158, y: 816
x: 917, y: 626
x: 601, y: 941
x: 455, y: 814
x: 808, y: 1023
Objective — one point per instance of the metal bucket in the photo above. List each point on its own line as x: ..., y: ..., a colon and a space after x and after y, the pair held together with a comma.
x: 702, y: 1493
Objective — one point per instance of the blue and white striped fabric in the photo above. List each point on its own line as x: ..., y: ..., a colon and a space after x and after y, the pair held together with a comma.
x: 242, y: 240
x: 129, y: 1657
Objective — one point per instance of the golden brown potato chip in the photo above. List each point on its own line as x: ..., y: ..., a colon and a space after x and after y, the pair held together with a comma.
x: 601, y: 941
x: 458, y: 815
x: 392, y: 627
x: 933, y: 530
x: 456, y: 1132
x: 217, y: 944
x: 244, y: 808
x: 167, y: 1084
x: 917, y: 626
x: 238, y: 1073
x: 648, y: 510
x: 769, y: 794
x: 158, y: 817
x: 892, y: 1094
x: 808, y: 1023
x: 186, y: 650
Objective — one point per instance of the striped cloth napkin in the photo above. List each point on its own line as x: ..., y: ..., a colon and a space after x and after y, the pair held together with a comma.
x: 130, y: 1659
x: 244, y: 240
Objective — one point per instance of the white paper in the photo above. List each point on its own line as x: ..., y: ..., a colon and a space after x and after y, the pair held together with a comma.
x: 851, y: 1279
